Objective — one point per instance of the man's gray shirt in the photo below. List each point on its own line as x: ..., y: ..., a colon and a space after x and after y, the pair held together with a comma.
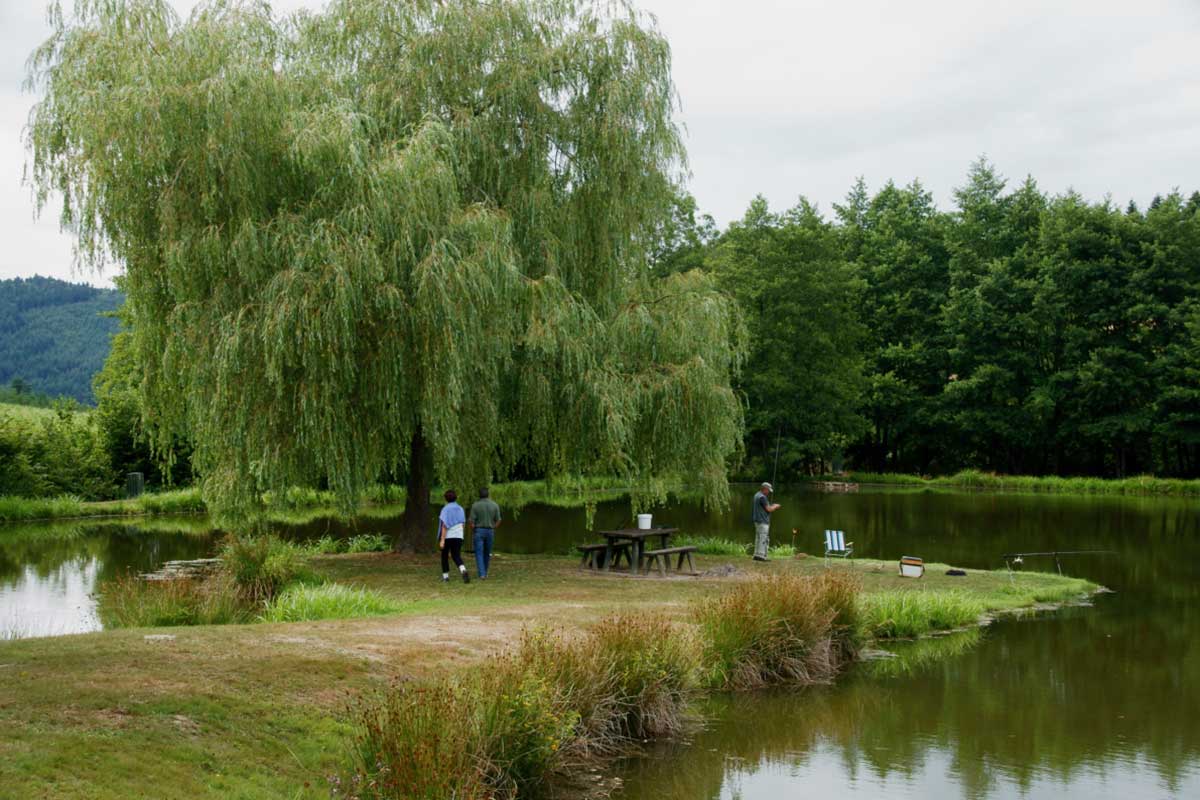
x: 759, y: 512
x: 485, y: 513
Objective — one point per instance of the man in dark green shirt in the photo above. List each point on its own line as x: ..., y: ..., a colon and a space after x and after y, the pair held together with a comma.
x: 484, y: 519
x: 760, y: 515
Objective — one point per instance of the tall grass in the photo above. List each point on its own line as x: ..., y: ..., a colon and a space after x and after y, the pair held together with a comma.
x: 177, y: 501
x: 130, y: 602
x: 1051, y: 484
x: 719, y: 546
x: 368, y: 543
x: 303, y: 603
x: 549, y: 704
x: 13, y: 509
x: 911, y: 613
x: 554, y: 703
x: 712, y: 545
x: 778, y: 630
x: 262, y: 565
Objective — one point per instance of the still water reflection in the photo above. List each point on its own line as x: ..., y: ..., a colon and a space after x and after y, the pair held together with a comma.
x: 1091, y: 703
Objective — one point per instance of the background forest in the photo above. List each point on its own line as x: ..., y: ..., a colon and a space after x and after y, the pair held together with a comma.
x: 1016, y: 332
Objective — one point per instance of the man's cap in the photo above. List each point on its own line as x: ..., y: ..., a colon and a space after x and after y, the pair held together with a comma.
x: 767, y: 485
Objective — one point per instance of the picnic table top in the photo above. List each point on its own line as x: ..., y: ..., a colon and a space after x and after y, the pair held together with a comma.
x: 637, y: 533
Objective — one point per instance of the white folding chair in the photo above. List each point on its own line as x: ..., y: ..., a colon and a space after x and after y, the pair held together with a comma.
x: 836, y: 545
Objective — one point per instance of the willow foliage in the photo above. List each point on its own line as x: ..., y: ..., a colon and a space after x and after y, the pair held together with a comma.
x: 387, y: 221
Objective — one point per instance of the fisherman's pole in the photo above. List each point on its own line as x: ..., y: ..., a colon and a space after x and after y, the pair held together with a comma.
x: 775, y: 472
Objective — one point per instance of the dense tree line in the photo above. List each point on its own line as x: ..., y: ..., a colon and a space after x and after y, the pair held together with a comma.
x: 1017, y: 332
x: 54, y: 336
x: 54, y: 453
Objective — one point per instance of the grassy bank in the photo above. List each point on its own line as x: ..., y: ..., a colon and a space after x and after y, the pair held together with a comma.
x: 259, y: 711
x: 24, y: 509
x: 567, y: 492
x: 1051, y: 484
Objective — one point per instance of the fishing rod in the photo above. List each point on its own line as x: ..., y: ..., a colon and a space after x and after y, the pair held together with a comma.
x: 1019, y: 558
x: 775, y: 471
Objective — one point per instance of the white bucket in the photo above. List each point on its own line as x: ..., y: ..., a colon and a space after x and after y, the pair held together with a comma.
x: 643, y: 522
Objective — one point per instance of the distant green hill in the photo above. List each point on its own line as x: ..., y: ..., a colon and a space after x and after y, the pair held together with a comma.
x: 54, y: 336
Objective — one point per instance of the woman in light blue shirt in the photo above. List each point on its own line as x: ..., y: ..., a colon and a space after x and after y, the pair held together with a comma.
x: 450, y: 536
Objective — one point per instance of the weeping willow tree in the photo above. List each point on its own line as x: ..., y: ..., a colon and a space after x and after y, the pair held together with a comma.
x: 397, y: 236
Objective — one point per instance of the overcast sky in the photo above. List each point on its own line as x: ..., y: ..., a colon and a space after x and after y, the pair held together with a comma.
x: 799, y: 97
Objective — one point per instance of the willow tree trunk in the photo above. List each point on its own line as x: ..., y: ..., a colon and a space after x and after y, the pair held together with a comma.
x: 416, y: 524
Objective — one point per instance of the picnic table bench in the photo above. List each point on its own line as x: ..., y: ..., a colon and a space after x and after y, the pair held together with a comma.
x: 661, y: 558
x: 595, y: 555
x: 636, y: 538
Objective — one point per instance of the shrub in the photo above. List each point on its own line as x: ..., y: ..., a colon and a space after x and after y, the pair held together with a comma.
x: 179, y: 501
x: 261, y: 565
x: 655, y: 668
x: 326, y: 545
x: 301, y: 603
x: 130, y: 602
x: 419, y: 741
x: 53, y: 453
x: 780, y: 629
x: 368, y: 543
x: 524, y: 724
x: 913, y: 613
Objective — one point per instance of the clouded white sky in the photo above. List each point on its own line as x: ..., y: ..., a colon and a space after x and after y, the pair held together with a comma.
x: 799, y: 97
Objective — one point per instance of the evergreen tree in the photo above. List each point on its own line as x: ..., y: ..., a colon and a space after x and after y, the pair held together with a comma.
x: 898, y: 244
x: 803, y: 380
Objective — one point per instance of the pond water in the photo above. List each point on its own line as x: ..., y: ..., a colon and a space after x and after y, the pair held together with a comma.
x: 1100, y: 702
x: 1086, y: 703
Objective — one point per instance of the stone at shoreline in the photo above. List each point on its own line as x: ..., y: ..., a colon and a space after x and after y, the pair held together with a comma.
x: 176, y: 570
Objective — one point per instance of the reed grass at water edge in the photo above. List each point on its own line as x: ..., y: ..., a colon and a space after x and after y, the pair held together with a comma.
x: 553, y: 704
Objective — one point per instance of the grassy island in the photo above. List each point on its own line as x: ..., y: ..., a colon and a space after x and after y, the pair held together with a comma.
x: 273, y: 709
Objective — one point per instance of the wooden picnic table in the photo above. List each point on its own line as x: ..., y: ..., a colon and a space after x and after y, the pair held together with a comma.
x: 636, y: 537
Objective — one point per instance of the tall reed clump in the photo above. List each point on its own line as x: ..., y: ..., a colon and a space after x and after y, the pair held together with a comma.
x: 554, y: 703
x: 303, y: 602
x: 261, y: 565
x: 910, y: 613
x: 130, y: 602
x: 549, y: 704
x: 784, y: 629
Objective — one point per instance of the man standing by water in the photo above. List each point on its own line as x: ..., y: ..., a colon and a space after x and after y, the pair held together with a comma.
x: 485, y: 518
x: 761, y: 513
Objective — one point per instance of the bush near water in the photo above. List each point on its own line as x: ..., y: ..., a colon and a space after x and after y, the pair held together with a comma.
x: 261, y: 578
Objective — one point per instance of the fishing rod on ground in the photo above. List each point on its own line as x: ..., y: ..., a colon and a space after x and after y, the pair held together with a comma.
x: 1019, y: 558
